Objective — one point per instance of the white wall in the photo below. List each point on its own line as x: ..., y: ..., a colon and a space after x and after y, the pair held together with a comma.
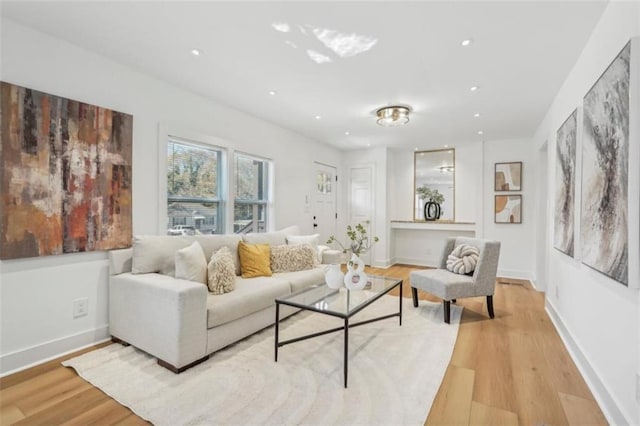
x: 37, y: 294
x: 517, y: 249
x: 597, y: 317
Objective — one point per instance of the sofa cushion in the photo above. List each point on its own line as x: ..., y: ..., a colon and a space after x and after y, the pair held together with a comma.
x: 191, y: 265
x: 287, y: 258
x: 213, y: 243
x: 276, y: 238
x: 303, y: 279
x: 312, y: 240
x: 255, y: 260
x: 221, y: 272
x: 156, y: 253
x: 250, y: 295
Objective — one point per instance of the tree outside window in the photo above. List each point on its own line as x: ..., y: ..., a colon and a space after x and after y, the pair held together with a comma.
x: 251, y: 195
x: 193, y: 189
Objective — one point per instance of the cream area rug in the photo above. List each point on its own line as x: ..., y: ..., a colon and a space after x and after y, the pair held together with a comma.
x: 394, y: 373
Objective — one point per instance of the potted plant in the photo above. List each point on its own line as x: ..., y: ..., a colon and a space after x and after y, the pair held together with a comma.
x: 360, y: 243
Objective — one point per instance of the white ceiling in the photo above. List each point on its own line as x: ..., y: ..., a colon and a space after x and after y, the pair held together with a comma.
x: 520, y: 55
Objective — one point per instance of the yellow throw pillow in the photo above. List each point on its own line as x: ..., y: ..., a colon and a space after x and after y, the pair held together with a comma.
x: 255, y: 260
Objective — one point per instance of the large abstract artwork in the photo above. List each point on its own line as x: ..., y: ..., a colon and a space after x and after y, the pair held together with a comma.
x: 65, y: 183
x: 563, y: 229
x: 605, y: 154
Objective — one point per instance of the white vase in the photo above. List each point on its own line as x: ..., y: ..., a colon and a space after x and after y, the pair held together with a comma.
x: 355, y: 279
x: 334, y: 276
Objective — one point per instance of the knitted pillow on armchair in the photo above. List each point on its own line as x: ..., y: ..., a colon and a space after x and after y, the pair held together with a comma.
x: 463, y: 259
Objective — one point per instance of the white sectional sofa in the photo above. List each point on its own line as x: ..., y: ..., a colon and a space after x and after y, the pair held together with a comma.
x: 180, y: 322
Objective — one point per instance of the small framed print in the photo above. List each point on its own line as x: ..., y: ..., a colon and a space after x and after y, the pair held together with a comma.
x: 508, y: 209
x: 508, y: 176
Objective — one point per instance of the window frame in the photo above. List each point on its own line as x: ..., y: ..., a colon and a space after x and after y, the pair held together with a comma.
x: 266, y: 203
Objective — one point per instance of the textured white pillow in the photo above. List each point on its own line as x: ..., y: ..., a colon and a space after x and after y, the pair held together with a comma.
x: 287, y: 258
x: 222, y: 272
x: 463, y: 259
x: 312, y: 240
x: 191, y: 264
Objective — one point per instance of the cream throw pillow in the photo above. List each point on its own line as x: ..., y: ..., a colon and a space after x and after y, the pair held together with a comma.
x: 287, y: 258
x: 191, y: 264
x: 222, y: 272
x: 311, y: 240
x: 463, y: 259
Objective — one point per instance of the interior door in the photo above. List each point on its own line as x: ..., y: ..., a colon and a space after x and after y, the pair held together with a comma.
x: 361, y: 206
x: 324, y: 200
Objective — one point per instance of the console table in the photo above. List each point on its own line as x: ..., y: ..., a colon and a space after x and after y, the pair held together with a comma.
x: 420, y: 242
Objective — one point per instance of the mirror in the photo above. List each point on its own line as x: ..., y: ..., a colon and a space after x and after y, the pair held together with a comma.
x: 434, y: 170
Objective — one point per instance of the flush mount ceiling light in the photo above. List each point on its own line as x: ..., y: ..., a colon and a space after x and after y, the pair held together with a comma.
x: 391, y: 116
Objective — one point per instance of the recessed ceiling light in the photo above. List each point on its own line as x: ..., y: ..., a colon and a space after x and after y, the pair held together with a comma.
x: 318, y: 117
x: 446, y: 146
x: 415, y: 149
x: 480, y: 132
x: 195, y: 52
x: 473, y: 88
x: 368, y: 144
x: 272, y: 92
x: 466, y: 42
x: 347, y: 133
x: 476, y: 115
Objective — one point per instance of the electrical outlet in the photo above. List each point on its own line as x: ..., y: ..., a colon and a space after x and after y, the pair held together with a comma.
x: 80, y: 307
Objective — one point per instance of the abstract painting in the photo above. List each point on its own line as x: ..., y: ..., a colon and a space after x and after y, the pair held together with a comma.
x: 605, y: 164
x: 508, y: 209
x: 508, y: 176
x: 65, y: 183
x: 563, y: 238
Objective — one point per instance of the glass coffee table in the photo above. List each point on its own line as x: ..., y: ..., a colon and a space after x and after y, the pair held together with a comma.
x: 341, y: 303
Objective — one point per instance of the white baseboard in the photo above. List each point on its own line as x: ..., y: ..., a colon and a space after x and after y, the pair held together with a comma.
x: 514, y: 273
x: 607, y: 403
x: 421, y: 261
x: 25, y: 358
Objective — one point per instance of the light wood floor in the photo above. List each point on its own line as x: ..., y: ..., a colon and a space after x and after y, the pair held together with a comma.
x: 513, y: 369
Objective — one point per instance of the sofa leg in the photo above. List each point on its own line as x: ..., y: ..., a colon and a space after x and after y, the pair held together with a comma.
x: 177, y: 370
x: 447, y: 311
x: 490, y: 306
x: 114, y: 339
x: 414, y: 296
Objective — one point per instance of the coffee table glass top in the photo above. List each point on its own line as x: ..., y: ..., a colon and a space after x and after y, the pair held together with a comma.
x: 340, y: 302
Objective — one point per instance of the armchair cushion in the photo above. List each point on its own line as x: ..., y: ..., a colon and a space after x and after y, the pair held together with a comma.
x: 463, y: 259
x: 443, y: 283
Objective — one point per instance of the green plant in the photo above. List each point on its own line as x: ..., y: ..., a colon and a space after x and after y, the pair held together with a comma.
x: 430, y: 194
x: 360, y: 242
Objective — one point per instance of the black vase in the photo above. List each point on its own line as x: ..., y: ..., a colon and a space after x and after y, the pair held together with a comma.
x: 431, y: 210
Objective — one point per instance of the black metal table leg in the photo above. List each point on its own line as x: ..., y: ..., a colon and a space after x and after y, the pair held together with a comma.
x: 346, y: 350
x: 277, y: 327
x: 400, y: 304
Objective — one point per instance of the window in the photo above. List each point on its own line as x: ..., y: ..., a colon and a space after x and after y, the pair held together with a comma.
x: 194, y: 205
x: 251, y: 176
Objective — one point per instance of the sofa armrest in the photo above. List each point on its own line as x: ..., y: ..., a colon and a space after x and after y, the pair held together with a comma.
x: 161, y: 315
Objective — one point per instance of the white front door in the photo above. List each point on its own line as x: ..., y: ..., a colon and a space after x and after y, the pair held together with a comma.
x: 324, y: 201
x: 361, y: 206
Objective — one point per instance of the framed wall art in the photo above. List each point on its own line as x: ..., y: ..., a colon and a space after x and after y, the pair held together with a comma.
x: 605, y: 171
x: 508, y: 208
x: 508, y: 176
x: 65, y: 182
x: 563, y: 229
